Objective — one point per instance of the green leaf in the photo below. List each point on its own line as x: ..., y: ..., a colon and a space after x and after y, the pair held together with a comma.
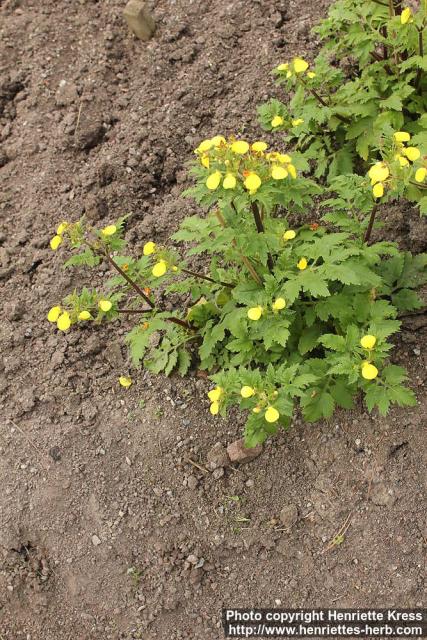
x: 184, y: 361
x: 312, y: 282
x: 308, y: 340
x: 334, y: 342
x: 407, y: 300
x: 317, y: 404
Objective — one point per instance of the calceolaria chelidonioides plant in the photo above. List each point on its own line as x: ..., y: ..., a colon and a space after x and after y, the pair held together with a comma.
x: 279, y: 314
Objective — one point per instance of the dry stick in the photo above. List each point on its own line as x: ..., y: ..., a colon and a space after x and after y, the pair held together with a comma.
x: 245, y: 260
x: 78, y: 119
x: 138, y: 289
x: 371, y: 223
x: 260, y: 229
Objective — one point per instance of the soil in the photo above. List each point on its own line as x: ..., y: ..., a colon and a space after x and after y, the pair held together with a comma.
x: 113, y: 524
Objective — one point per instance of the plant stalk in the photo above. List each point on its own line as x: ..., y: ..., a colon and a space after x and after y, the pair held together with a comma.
x: 260, y: 228
x: 370, y: 224
x: 203, y: 277
x: 245, y: 260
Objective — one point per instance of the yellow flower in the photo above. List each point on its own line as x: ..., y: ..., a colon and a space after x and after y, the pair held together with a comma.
x: 256, y: 410
x: 420, y: 174
x: 240, y: 147
x: 297, y: 122
x: 402, y: 136
x: 204, y: 161
x: 64, y: 322
x: 292, y: 170
x: 406, y: 15
x: 229, y: 181
x: 278, y: 304
x: 217, y: 140
x: 84, y: 315
x: 289, y: 234
x: 54, y: 314
x: 55, y: 242
x: 259, y: 146
x: 149, y: 248
x: 278, y: 172
x: 369, y: 371
x: 378, y: 172
x: 311, y: 74
x: 105, y: 305
x: 215, y: 394
x: 159, y: 269
x: 212, y: 181
x: 368, y: 341
x: 300, y: 65
x: 302, y: 264
x: 402, y: 160
x: 214, y: 408
x: 109, y: 231
x: 284, y: 158
x: 255, y: 313
x: 252, y: 182
x: 205, y: 145
x: 174, y: 268
x: 247, y: 392
x: 61, y: 228
x: 125, y: 381
x: 277, y: 121
x: 412, y: 153
x: 378, y: 190
x: 283, y: 67
x: 271, y: 415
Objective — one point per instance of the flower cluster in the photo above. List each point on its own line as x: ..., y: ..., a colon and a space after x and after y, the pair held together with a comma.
x: 263, y: 401
x: 298, y: 67
x: 369, y: 370
x: 380, y: 173
x: 162, y: 265
x: 236, y: 164
x: 64, y: 318
x: 57, y: 239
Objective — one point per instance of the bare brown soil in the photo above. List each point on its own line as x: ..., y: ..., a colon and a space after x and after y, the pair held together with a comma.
x: 107, y: 529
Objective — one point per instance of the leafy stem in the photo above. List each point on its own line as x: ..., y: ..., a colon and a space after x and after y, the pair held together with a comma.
x: 245, y: 260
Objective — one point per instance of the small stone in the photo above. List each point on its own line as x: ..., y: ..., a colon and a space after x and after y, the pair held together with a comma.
x: 55, y: 453
x: 381, y: 496
x: 196, y: 575
x: 192, y: 482
x: 96, y: 541
x: 218, y: 473
x: 289, y: 516
x: 66, y: 94
x: 192, y: 559
x: 237, y: 451
x: 217, y: 457
x: 139, y: 20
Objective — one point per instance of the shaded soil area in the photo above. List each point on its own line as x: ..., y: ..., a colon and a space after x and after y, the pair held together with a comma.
x: 115, y: 523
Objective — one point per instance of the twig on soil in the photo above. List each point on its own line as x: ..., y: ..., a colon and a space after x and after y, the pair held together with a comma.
x: 195, y: 464
x: 28, y: 439
x: 78, y: 119
x: 339, y: 536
